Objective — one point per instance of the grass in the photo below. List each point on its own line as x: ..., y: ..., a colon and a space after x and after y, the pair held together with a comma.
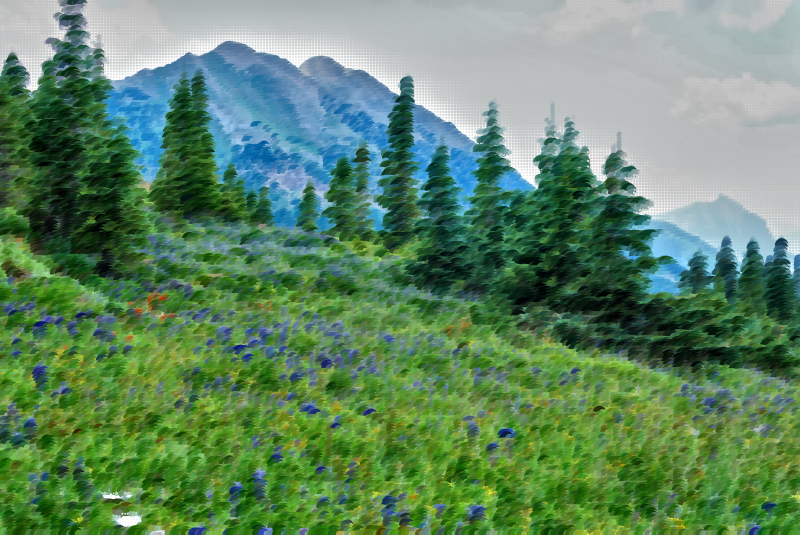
x: 365, y: 403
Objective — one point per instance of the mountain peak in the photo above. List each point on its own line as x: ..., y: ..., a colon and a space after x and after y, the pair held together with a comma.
x: 233, y: 46
x: 322, y: 67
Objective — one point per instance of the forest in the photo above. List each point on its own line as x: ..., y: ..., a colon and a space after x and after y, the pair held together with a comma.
x: 528, y: 319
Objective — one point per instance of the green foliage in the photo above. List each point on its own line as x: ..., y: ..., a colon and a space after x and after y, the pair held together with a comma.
x: 234, y: 195
x: 442, y: 258
x: 308, y: 209
x: 364, y: 225
x: 726, y: 270
x: 696, y: 278
x: 399, y: 194
x: 15, y: 169
x: 487, y: 204
x: 780, y: 293
x: 343, y: 201
x: 262, y: 214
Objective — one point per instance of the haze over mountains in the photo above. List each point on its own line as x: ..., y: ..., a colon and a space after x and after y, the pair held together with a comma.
x: 282, y: 125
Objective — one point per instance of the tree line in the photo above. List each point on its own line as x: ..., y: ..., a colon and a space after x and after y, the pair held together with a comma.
x: 566, y: 258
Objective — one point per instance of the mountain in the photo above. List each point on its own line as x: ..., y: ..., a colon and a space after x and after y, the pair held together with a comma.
x: 712, y: 221
x: 282, y: 125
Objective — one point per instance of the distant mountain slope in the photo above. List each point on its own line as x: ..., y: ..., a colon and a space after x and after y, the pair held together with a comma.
x: 712, y: 221
x: 283, y: 125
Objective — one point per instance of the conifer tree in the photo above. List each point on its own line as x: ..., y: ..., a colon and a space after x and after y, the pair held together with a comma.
x: 399, y: 185
x: 173, y: 170
x: 15, y: 169
x: 234, y: 195
x: 364, y: 228
x: 696, y: 278
x: 726, y: 270
x: 751, y: 283
x: 251, y: 201
x: 780, y: 295
x: 342, y: 197
x: 486, y: 213
x: 619, y: 256
x: 308, y: 209
x: 796, y: 273
x: 200, y: 197
x: 524, y: 282
x: 442, y: 258
x: 115, y: 222
x: 262, y: 214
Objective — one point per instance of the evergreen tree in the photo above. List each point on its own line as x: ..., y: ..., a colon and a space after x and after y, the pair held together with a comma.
x: 234, y: 195
x: 726, y: 270
x: 442, y: 257
x: 780, y: 295
x: 115, y: 223
x: 524, y: 282
x: 251, y: 201
x: 173, y: 170
x: 56, y: 143
x: 619, y: 256
x: 751, y: 283
x: 363, y: 225
x: 343, y: 201
x: 399, y: 187
x: 696, y: 278
x: 308, y: 209
x: 486, y: 213
x: 262, y: 214
x: 796, y: 274
x: 15, y: 170
x: 200, y: 197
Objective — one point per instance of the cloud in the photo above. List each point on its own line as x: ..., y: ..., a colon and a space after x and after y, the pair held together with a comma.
x: 579, y: 17
x: 741, y: 101
x: 761, y: 18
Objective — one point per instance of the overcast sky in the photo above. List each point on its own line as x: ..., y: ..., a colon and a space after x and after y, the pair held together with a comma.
x: 706, y: 93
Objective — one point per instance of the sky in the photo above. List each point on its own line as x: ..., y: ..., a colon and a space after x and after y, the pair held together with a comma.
x: 706, y: 93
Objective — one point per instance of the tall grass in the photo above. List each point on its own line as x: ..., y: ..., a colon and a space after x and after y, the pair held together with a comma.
x: 279, y: 379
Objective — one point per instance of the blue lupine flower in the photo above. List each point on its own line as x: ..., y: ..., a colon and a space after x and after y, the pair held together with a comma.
x: 296, y: 376
x: 343, y: 501
x: 277, y: 457
x: 234, y: 490
x: 327, y: 363
x: 16, y: 353
x: 388, y: 337
x: 769, y: 506
x: 247, y: 358
x: 492, y: 446
x: 754, y: 530
x: 334, y: 425
x: 709, y: 401
x: 369, y: 411
x: 210, y: 341
x: 473, y: 430
x: 477, y: 512
x: 320, y: 469
x: 290, y: 396
x: 388, y: 500
x: 197, y: 531
x: 575, y: 370
x: 127, y: 348
x: 684, y: 388
x: 562, y: 383
x: 238, y: 347
x: 39, y: 374
x: 506, y: 432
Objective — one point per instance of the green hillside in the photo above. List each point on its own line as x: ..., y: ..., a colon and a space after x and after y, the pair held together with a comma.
x: 361, y: 401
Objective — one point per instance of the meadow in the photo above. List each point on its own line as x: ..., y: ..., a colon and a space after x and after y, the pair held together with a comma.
x: 273, y: 379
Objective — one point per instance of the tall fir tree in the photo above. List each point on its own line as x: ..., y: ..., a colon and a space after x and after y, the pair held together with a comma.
x: 442, y: 258
x: 115, y: 224
x: 696, y: 278
x: 15, y: 169
x: 750, y: 295
x: 364, y: 226
x: 780, y: 295
x: 726, y: 270
x: 487, y: 204
x: 619, y: 256
x: 234, y: 195
x: 343, y: 201
x: 399, y: 194
x: 796, y: 273
x: 251, y: 201
x: 200, y: 197
x: 308, y: 209
x: 262, y: 214
x: 524, y: 281
x: 173, y: 172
